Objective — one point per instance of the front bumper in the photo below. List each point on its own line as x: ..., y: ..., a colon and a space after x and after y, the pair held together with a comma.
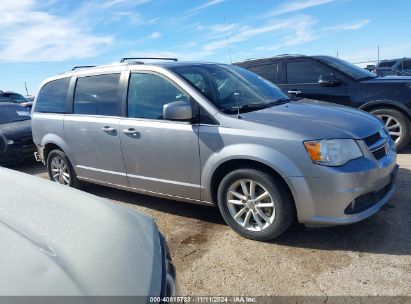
x: 169, y: 285
x: 347, y: 194
x: 17, y: 155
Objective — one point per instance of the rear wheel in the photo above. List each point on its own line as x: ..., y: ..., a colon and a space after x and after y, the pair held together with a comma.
x: 255, y: 205
x: 60, y: 170
x: 398, y: 125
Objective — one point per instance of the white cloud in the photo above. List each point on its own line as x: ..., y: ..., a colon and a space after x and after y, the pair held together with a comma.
x: 348, y: 26
x: 303, y: 32
x: 205, y: 5
x: 155, y: 35
x: 16, y: 5
x: 217, y: 28
x: 112, y: 3
x: 246, y: 33
x: 27, y: 35
x: 294, y: 6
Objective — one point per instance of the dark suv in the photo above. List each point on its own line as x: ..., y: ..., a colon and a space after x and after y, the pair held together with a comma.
x: 399, y: 67
x: 15, y: 98
x: 334, y: 80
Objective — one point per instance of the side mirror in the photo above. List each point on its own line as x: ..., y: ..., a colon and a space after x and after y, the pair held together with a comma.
x: 329, y: 80
x: 370, y: 67
x: 177, y: 110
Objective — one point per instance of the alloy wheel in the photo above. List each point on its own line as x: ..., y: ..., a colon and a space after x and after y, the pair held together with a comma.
x: 60, y: 171
x: 393, y: 125
x: 250, y: 205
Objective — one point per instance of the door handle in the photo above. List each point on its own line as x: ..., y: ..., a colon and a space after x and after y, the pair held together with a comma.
x: 109, y: 130
x: 294, y: 92
x: 131, y: 132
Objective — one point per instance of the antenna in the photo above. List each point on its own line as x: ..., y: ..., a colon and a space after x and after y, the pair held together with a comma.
x: 238, y: 105
x: 228, y: 41
x: 27, y: 91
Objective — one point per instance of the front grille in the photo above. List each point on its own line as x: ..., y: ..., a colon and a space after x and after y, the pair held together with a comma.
x: 23, y: 142
x: 368, y: 200
x: 372, y: 139
x: 24, y: 139
x: 378, y: 145
x: 379, y: 153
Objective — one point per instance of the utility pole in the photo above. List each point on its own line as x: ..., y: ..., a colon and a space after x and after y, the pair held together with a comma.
x: 378, y: 54
x: 228, y: 41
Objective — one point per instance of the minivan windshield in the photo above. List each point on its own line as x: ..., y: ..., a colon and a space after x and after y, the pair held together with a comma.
x: 345, y: 67
x: 231, y: 88
x: 12, y: 113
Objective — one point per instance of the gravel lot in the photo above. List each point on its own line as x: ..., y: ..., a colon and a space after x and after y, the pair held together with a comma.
x: 369, y: 258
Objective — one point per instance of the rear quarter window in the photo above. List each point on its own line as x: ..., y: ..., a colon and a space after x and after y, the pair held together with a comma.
x: 52, y: 97
x: 269, y: 71
x: 305, y: 71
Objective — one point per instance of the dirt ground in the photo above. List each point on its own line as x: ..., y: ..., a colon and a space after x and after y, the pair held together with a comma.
x: 372, y: 257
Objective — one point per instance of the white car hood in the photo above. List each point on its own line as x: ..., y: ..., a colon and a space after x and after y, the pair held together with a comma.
x: 60, y: 241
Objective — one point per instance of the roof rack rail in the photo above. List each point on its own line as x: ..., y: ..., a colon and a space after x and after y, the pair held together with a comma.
x: 291, y: 55
x: 150, y: 58
x: 82, y: 67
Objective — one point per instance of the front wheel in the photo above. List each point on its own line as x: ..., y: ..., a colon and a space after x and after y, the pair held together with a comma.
x: 60, y: 170
x: 397, y: 124
x: 255, y: 205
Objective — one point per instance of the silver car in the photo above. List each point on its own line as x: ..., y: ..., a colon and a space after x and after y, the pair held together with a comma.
x: 214, y: 134
x: 57, y: 241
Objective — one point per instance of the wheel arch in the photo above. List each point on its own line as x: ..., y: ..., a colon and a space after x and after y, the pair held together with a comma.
x: 240, y: 163
x: 395, y: 105
x: 52, y: 142
x: 48, y: 148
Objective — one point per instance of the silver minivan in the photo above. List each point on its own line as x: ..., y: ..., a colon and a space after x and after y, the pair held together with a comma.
x: 214, y: 134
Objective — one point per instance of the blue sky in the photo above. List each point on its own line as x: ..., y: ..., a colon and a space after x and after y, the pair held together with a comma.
x: 39, y: 39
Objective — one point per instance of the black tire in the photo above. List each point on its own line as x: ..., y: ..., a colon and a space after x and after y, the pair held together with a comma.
x: 402, y: 119
x: 58, y: 154
x: 282, y: 199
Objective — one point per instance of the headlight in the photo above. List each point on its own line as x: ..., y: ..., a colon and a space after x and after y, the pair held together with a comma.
x: 333, y: 152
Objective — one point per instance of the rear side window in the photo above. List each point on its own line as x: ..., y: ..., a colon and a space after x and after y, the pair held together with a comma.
x: 52, y: 97
x: 271, y: 72
x: 97, y: 95
x: 305, y: 71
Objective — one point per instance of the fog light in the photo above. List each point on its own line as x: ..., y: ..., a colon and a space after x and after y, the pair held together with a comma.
x: 10, y: 142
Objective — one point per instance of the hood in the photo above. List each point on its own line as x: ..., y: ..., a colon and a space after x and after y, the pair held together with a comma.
x: 310, y: 119
x: 16, y: 129
x: 388, y: 79
x: 60, y: 241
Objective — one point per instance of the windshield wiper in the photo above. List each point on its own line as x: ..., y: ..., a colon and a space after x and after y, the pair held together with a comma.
x: 255, y: 106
